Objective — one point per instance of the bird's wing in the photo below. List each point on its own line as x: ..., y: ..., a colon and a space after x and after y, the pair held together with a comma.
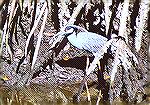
x: 91, y: 41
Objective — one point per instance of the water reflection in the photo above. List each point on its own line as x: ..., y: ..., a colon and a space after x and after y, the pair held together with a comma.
x: 39, y: 95
x: 36, y: 95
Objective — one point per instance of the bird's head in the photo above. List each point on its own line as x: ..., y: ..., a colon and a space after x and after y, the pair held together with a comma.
x: 71, y: 29
x: 65, y: 32
x: 68, y: 31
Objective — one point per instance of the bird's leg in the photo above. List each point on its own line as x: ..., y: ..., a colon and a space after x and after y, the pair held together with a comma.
x: 76, y: 97
x: 99, y: 94
x: 87, y: 90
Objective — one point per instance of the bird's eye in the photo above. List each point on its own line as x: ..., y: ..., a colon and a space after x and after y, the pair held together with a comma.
x: 69, y: 29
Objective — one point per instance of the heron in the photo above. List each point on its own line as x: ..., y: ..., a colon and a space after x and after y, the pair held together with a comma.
x: 84, y: 40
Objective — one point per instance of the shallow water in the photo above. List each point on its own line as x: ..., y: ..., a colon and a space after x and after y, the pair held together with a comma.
x: 36, y: 95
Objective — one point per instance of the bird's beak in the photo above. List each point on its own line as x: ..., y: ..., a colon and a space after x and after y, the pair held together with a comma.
x: 62, y: 33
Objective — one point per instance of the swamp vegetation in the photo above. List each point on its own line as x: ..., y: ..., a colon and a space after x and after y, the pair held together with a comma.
x: 33, y: 72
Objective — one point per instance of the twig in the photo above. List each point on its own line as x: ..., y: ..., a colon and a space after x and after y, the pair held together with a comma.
x: 6, y: 30
x: 124, y: 15
x: 64, y: 13
x: 140, y: 23
x: 108, y: 13
x: 77, y: 10
x: 122, y: 55
x: 34, y: 27
x: 3, y: 37
x: 39, y: 39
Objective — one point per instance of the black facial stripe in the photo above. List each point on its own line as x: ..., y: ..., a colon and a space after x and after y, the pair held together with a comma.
x: 69, y: 27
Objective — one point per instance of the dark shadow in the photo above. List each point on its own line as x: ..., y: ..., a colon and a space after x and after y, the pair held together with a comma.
x: 55, y: 13
x: 77, y: 62
x: 102, y: 84
x: 59, y: 46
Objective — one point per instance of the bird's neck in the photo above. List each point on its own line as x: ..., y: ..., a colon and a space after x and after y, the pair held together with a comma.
x: 72, y: 36
x: 73, y: 39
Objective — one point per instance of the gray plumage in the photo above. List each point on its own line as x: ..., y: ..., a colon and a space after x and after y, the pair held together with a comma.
x: 89, y: 41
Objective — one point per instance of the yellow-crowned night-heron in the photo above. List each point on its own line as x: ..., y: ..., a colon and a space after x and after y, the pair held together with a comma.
x: 89, y: 41
x: 84, y: 40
